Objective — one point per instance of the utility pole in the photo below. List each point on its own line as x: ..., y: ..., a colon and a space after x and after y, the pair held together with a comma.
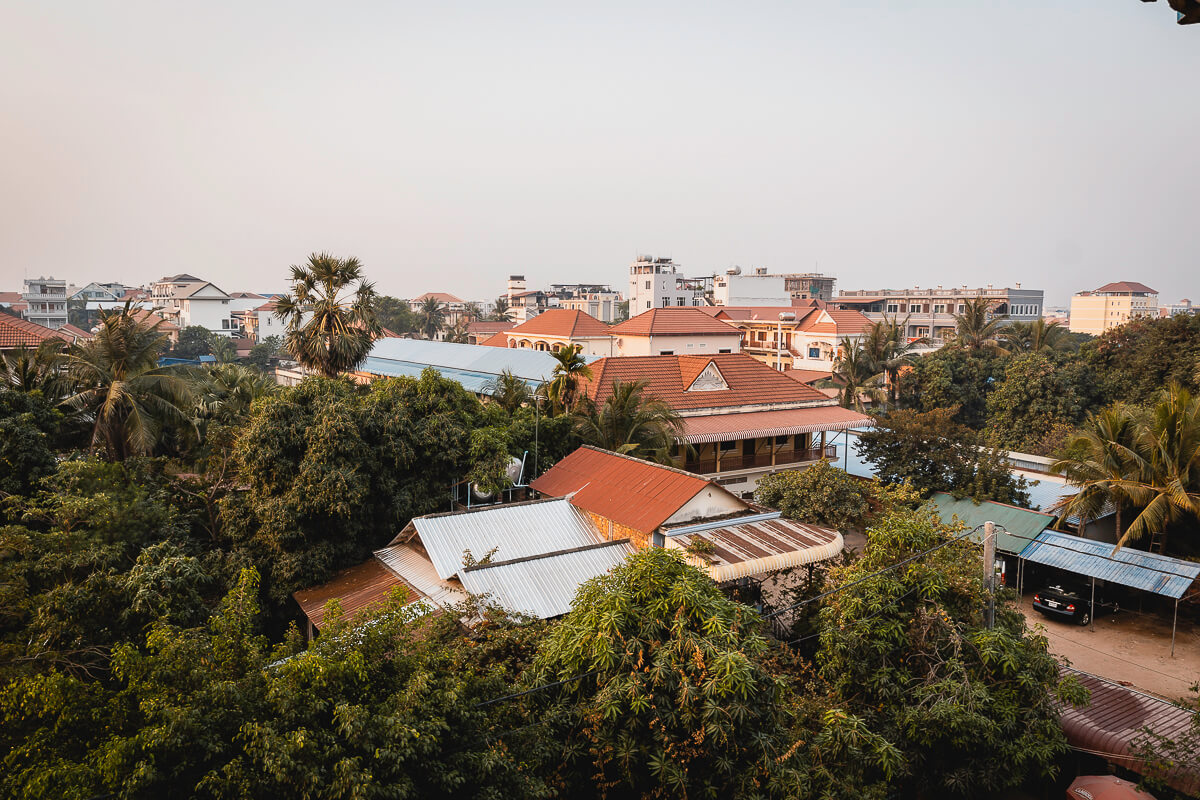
x: 989, y: 572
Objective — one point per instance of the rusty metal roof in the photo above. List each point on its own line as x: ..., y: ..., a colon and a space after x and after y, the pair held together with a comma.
x: 755, y: 424
x: 1137, y: 569
x: 627, y: 490
x: 1113, y: 720
x: 545, y: 585
x: 355, y: 588
x: 757, y: 545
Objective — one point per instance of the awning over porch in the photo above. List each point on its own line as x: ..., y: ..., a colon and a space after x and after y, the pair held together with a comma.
x: 757, y: 424
x: 755, y: 546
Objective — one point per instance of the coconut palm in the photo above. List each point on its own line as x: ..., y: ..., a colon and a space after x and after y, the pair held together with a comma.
x: 976, y: 327
x: 890, y: 350
x: 563, y: 389
x: 431, y: 317
x: 508, y: 391
x: 118, y: 383
x: 858, y: 374
x: 35, y: 370
x: 1098, y: 459
x: 460, y: 333
x: 330, y: 315
x: 501, y: 311
x: 1033, y: 337
x: 630, y: 423
x: 225, y: 392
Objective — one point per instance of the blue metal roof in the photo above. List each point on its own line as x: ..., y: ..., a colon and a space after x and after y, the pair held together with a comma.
x: 1149, y: 572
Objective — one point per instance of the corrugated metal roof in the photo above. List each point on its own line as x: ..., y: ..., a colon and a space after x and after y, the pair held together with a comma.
x: 517, y: 530
x: 759, y: 547
x: 1114, y: 718
x: 544, y: 586
x: 471, y: 365
x: 719, y: 427
x: 1137, y: 569
x: 355, y: 588
x: 627, y: 490
x: 1016, y: 527
x: 409, y: 562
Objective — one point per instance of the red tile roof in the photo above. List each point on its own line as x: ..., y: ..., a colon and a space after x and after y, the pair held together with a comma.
x: 562, y: 322
x: 355, y: 588
x: 844, y: 322
x: 764, y: 313
x: 627, y: 490
x: 150, y: 318
x: 16, y: 332
x: 679, y: 321
x: 270, y: 306
x: 495, y: 340
x: 9, y: 298
x: 480, y: 326
x: 807, y: 375
x: 759, y: 424
x: 1127, y: 286
x: 78, y: 333
x: 750, y: 382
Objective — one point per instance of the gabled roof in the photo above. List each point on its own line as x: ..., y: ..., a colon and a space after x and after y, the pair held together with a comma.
x: 182, y: 277
x: 489, y: 326
x: 495, y: 340
x: 16, y: 332
x: 8, y: 298
x: 627, y: 490
x: 192, y: 289
x: 268, y: 306
x: 1015, y: 527
x: 840, y: 322
x: 355, y: 588
x: 677, y: 321
x: 147, y: 317
x: 247, y: 296
x: 566, y: 323
x: 750, y: 381
x: 441, y: 297
x: 78, y: 333
x: 1127, y: 286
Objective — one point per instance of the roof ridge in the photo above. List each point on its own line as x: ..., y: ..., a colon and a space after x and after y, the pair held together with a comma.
x: 539, y: 556
x: 644, y: 462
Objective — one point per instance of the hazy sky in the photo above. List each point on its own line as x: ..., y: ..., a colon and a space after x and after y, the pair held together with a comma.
x: 448, y: 144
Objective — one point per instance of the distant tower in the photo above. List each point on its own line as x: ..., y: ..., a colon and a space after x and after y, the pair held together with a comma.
x: 516, y: 285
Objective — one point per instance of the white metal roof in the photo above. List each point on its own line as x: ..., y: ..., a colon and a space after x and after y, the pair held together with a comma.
x: 407, y: 562
x: 472, y: 365
x: 515, y: 531
x: 544, y: 586
x: 756, y: 545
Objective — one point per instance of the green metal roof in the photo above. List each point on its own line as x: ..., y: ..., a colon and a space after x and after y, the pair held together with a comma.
x: 1015, y: 527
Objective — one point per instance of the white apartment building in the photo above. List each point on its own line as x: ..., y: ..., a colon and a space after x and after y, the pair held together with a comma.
x: 930, y: 312
x: 657, y: 283
x: 46, y: 302
x: 596, y: 300
x: 188, y: 301
x: 98, y: 292
x: 761, y: 288
x: 1111, y: 305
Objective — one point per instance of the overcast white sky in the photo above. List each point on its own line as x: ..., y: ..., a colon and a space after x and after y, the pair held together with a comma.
x: 448, y: 144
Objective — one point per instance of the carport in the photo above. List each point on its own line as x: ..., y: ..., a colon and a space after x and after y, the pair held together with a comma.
x: 1136, y: 569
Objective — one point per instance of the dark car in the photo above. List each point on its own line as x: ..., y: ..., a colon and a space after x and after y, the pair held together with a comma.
x: 1070, y: 602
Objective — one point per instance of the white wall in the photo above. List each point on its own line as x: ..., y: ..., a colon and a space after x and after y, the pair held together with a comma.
x: 690, y: 345
x: 750, y: 290
x: 710, y: 502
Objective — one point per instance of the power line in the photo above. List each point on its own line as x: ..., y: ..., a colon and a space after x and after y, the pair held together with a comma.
x: 534, y: 689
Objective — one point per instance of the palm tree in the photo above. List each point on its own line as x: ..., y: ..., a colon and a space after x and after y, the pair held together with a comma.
x: 563, y: 389
x: 431, y: 317
x: 1149, y: 461
x: 37, y: 370
x: 508, y: 391
x: 976, y: 327
x: 341, y: 321
x: 858, y: 374
x: 460, y: 333
x: 118, y: 383
x: 890, y: 350
x: 471, y: 312
x: 632, y: 424
x: 501, y: 311
x: 1033, y: 337
x: 225, y: 392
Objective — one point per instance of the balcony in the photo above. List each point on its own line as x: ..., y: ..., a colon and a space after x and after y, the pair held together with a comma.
x: 735, y: 462
x: 54, y: 297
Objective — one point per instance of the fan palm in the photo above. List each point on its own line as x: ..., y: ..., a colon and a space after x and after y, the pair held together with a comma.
x: 117, y: 381
x: 858, y: 374
x: 431, y: 317
x: 36, y: 370
x: 571, y: 369
x: 339, y: 307
x: 630, y: 423
x: 976, y: 327
x: 508, y: 391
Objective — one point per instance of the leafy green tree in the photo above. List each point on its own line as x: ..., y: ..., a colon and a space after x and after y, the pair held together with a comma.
x: 222, y: 348
x: 890, y: 351
x: 501, y: 311
x: 1133, y: 362
x: 953, y: 377
x: 934, y: 453
x: 978, y: 326
x: 631, y: 423
x: 822, y: 494
x: 194, y: 341
x: 28, y: 426
x: 1034, y: 398
x: 1033, y: 337
x: 431, y: 317
x: 118, y: 382
x: 330, y: 315
x: 395, y: 314
x: 971, y: 709
x: 262, y: 353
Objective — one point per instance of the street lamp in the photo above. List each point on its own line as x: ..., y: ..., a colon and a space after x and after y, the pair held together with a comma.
x: 784, y: 316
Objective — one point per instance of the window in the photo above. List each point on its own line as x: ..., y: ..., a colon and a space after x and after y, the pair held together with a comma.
x: 679, y: 301
x: 647, y: 304
x: 726, y: 447
x: 939, y: 308
x: 666, y: 352
x: 814, y: 352
x: 962, y: 308
x: 781, y: 441
x: 647, y: 284
x: 893, y: 308
x: 225, y: 324
x: 666, y: 302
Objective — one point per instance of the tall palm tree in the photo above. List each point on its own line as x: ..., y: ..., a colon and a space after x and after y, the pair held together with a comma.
x: 1032, y: 337
x: 501, y: 311
x: 117, y: 381
x: 431, y: 317
x: 509, y: 391
x: 460, y: 332
x: 976, y: 327
x: 1098, y: 459
x: 330, y: 315
x: 571, y: 369
x: 630, y: 423
x: 471, y: 312
x: 858, y: 374
x: 36, y: 370
x: 890, y: 350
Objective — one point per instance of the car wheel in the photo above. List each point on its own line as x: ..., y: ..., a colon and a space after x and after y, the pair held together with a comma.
x: 1085, y: 619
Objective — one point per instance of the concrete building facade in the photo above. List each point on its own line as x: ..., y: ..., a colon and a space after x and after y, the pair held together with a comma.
x: 1110, y: 306
x: 930, y: 312
x: 45, y: 302
x: 658, y: 283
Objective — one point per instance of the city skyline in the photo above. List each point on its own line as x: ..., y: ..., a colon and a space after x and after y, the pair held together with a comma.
x: 449, y: 147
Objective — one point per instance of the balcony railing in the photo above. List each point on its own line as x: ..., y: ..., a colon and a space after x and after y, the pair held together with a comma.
x: 734, y: 462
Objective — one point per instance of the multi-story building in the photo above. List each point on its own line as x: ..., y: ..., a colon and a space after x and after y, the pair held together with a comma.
x: 555, y: 329
x: 929, y: 313
x: 1184, y: 306
x: 803, y: 337
x: 1111, y: 305
x: 594, y: 299
x: 761, y: 288
x: 657, y: 283
x: 98, y: 291
x: 675, y: 331
x: 524, y: 304
x: 187, y: 301
x: 45, y: 302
